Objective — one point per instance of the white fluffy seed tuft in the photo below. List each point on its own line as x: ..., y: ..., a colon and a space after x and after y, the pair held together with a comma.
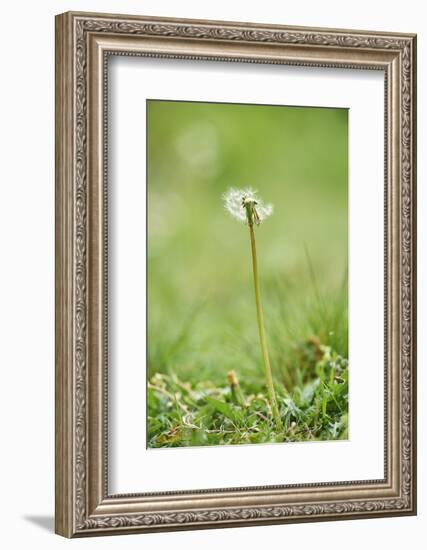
x: 234, y: 202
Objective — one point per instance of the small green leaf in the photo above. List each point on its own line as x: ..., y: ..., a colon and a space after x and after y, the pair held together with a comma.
x: 234, y: 414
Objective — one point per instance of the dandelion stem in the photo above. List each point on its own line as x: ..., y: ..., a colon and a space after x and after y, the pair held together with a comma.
x: 261, y: 328
x: 245, y: 206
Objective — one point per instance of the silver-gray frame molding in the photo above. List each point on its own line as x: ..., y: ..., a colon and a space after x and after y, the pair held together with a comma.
x: 83, y: 43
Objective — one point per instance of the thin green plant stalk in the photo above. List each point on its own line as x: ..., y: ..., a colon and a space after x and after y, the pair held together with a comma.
x: 261, y: 329
x: 245, y: 206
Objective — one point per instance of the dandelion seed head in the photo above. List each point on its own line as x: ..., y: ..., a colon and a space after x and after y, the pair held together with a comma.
x: 235, y: 201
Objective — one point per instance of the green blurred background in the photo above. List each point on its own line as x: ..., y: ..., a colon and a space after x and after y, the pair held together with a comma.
x: 201, y: 306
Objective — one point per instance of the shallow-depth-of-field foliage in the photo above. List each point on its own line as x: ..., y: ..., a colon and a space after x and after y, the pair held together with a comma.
x: 182, y: 414
x: 202, y: 331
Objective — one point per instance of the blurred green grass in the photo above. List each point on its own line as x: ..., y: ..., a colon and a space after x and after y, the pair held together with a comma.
x: 201, y: 308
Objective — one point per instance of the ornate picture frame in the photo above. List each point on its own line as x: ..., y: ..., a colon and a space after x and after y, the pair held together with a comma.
x: 84, y: 42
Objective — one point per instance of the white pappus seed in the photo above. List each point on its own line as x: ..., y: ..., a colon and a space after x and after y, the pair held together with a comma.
x: 235, y: 200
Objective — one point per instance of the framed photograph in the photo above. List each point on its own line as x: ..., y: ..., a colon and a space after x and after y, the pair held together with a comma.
x: 235, y: 274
